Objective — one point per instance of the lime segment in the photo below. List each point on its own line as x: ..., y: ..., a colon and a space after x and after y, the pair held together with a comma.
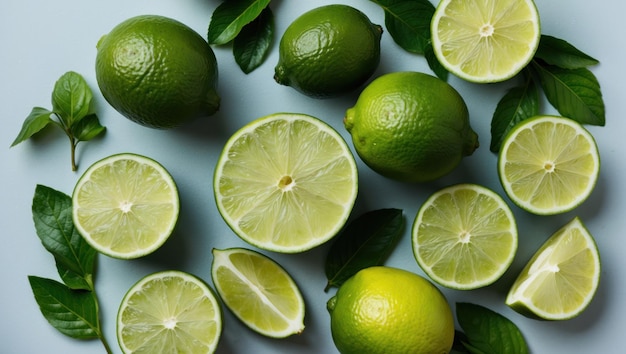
x: 125, y: 205
x: 485, y: 41
x: 561, y: 278
x: 258, y: 291
x: 286, y: 182
x: 169, y: 312
x: 548, y: 165
x: 464, y: 236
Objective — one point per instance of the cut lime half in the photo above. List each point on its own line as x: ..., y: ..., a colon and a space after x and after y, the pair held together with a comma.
x: 125, y: 205
x: 548, y: 165
x: 562, y: 277
x: 286, y: 182
x: 485, y: 41
x: 169, y: 312
x: 464, y: 236
x: 258, y: 291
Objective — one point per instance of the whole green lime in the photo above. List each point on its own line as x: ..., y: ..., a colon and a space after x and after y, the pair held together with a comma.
x: 390, y: 311
x: 411, y: 127
x: 157, y: 72
x: 328, y: 51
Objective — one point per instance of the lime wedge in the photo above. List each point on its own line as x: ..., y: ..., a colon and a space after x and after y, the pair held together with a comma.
x: 485, y: 41
x: 464, y: 236
x: 561, y: 278
x: 286, y: 182
x: 169, y: 312
x: 258, y: 291
x: 548, y: 165
x: 125, y: 205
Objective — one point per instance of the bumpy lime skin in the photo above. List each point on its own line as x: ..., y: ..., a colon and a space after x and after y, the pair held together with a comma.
x: 328, y: 51
x: 157, y: 72
x: 411, y: 127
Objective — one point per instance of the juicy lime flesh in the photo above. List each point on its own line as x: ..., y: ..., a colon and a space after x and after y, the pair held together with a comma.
x: 487, y: 40
x: 550, y: 165
x: 561, y: 278
x: 465, y: 237
x: 126, y: 206
x: 169, y: 313
x: 286, y: 183
x: 259, y: 292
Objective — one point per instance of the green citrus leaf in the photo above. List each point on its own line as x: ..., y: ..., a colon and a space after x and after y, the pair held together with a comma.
x: 434, y: 64
x: 575, y: 93
x: 75, y: 258
x: 87, y: 128
x: 71, y: 98
x: 231, y: 16
x: 517, y: 104
x: 365, y: 242
x: 72, y: 312
x: 252, y: 44
x: 489, y: 332
x: 38, y: 119
x: 408, y: 22
x: 555, y: 51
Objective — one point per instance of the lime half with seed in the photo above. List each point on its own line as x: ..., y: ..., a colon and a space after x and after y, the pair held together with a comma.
x: 125, y: 205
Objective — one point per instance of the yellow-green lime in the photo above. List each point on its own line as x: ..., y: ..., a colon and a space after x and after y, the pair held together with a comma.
x: 328, y: 51
x: 125, y: 205
x: 384, y: 310
x: 561, y: 278
x: 258, y: 291
x: 485, y: 41
x: 411, y: 127
x: 464, y: 236
x: 169, y: 312
x: 548, y: 165
x: 286, y: 182
x: 157, y: 71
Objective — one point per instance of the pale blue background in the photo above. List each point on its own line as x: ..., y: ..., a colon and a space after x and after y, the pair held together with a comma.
x: 42, y: 39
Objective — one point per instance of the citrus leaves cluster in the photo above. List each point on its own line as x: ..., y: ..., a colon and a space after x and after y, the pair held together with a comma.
x: 71, y: 111
x: 248, y: 25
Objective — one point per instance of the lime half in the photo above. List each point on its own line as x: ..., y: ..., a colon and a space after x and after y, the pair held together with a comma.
x: 286, y: 182
x: 548, y: 165
x: 487, y: 40
x: 561, y: 278
x: 125, y: 205
x: 169, y: 312
x: 464, y: 236
x: 258, y: 291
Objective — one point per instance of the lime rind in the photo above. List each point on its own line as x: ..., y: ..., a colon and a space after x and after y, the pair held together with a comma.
x: 548, y: 164
x: 476, y: 41
x: 286, y: 182
x: 562, y: 277
x: 125, y: 205
x: 464, y: 237
x: 169, y: 311
x: 258, y: 291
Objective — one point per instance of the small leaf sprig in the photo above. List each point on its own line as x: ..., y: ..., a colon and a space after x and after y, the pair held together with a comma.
x: 71, y: 111
x: 365, y: 242
x: 70, y: 306
x: 248, y: 25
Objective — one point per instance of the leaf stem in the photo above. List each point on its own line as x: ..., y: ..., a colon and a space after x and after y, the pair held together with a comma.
x: 101, y: 336
x: 73, y: 143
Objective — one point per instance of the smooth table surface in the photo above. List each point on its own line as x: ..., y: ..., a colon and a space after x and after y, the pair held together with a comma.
x: 41, y: 40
